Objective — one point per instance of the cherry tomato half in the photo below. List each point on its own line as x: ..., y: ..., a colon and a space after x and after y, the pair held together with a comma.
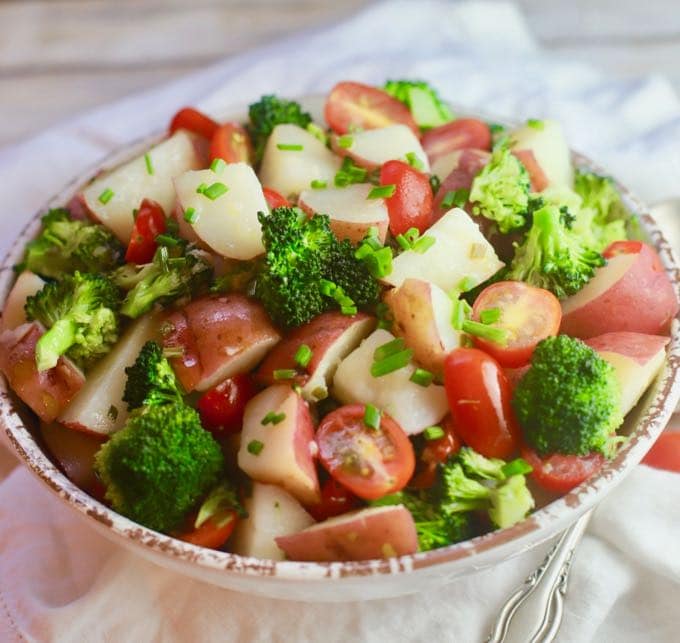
x: 665, y: 454
x: 231, y: 143
x: 456, y: 135
x: 149, y: 223
x: 210, y: 534
x: 369, y: 462
x: 622, y: 248
x: 411, y: 204
x: 560, y: 472
x: 527, y: 314
x: 335, y: 500
x: 434, y: 453
x: 191, y: 119
x: 221, y: 408
x: 274, y: 199
x: 479, y: 398
x: 357, y: 106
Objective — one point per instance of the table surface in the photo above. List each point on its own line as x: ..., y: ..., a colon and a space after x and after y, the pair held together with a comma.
x: 59, y: 57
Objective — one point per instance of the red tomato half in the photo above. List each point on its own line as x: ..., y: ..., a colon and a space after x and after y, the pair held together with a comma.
x: 335, y: 500
x: 191, y: 119
x: 221, y: 408
x: 411, y: 204
x: 231, y: 143
x: 622, y: 248
x: 479, y: 398
x: 559, y: 472
x: 274, y: 199
x: 436, y: 452
x: 527, y: 314
x: 149, y: 223
x: 209, y: 534
x: 456, y: 135
x: 357, y: 106
x: 665, y: 454
x: 369, y: 462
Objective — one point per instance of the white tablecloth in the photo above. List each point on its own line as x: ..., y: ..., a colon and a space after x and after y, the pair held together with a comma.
x: 60, y: 581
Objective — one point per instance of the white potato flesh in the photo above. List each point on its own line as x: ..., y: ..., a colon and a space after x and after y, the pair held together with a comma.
x: 272, y: 512
x: 131, y: 183
x: 288, y: 447
x: 292, y: 171
x: 350, y: 210
x: 26, y: 285
x: 373, y: 147
x: 444, y: 165
x: 227, y: 224
x: 412, y: 406
x: 547, y: 142
x: 460, y: 251
x: 98, y: 407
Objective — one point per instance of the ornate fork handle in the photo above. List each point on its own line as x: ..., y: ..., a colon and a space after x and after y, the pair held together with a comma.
x: 535, y: 609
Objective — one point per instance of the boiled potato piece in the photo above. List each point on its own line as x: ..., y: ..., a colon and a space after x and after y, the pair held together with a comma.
x: 26, y: 285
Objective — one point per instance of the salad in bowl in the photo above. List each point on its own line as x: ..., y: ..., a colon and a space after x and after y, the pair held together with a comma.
x: 347, y: 336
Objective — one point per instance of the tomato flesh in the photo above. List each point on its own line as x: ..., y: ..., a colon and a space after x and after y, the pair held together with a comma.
x: 622, y: 248
x: 665, y: 454
x: 527, y: 315
x: 411, y: 204
x: 560, y: 472
x: 369, y: 462
x: 352, y: 106
x: 221, y: 408
x: 335, y: 500
x: 460, y: 134
x: 191, y: 119
x: 231, y: 143
x: 436, y: 452
x: 274, y: 199
x: 210, y: 534
x: 149, y: 223
x: 479, y: 398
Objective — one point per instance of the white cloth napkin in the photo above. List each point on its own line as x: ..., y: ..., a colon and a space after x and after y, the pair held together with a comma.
x: 60, y: 581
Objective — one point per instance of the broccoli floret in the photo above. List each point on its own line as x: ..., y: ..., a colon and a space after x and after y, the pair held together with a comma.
x: 81, y: 314
x: 552, y: 256
x: 66, y: 245
x: 500, y: 191
x: 510, y: 502
x: 301, y: 254
x: 221, y: 505
x: 159, y: 465
x: 568, y: 400
x: 164, y: 280
x: 269, y: 112
x: 427, y: 108
x: 151, y: 380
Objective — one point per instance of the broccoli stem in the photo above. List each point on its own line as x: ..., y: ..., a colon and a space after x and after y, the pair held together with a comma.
x: 55, y: 342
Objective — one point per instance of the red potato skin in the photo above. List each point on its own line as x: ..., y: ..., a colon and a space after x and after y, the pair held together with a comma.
x: 358, y: 537
x: 643, y: 300
x: 46, y: 393
x: 319, y: 334
x: 637, y: 346
x: 177, y: 335
x: 539, y: 181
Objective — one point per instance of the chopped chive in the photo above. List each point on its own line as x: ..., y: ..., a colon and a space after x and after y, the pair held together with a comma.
x: 435, y: 183
x: 433, y: 433
x: 350, y: 173
x: 290, y: 147
x: 468, y: 283
x: 317, y: 132
x: 303, y: 355
x: 349, y: 310
x: 106, y: 196
x: 496, y: 128
x: 201, y: 188
x: 190, y: 215
x: 327, y: 287
x: 380, y: 263
x: 317, y: 184
x: 390, y: 348
x: 372, y: 417
x: 456, y: 197
x: 382, y: 192
x: 218, y: 165
x: 535, y: 123
x: 403, y: 242
x: 519, y: 466
x: 273, y: 418
x: 423, y: 244
x: 490, y: 315
x: 491, y: 333
x: 167, y: 240
x: 346, y: 141
x: 148, y: 163
x: 413, y: 160
x: 422, y: 377
x: 284, y: 373
x: 215, y: 191
x: 392, y: 363
x: 255, y: 447
x: 458, y: 314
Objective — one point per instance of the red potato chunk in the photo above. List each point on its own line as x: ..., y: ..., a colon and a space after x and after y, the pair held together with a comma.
x: 376, y: 532
x: 48, y: 392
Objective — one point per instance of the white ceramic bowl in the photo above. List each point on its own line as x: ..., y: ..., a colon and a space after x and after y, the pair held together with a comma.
x: 352, y: 580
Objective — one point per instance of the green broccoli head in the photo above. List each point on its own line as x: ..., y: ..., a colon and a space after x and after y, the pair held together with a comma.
x: 269, y: 112
x: 66, y: 245
x: 151, y: 380
x: 552, y: 256
x: 159, y: 466
x: 427, y: 108
x: 81, y: 314
x: 569, y: 399
x: 166, y: 279
x: 500, y: 191
x: 510, y: 502
x: 352, y: 275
